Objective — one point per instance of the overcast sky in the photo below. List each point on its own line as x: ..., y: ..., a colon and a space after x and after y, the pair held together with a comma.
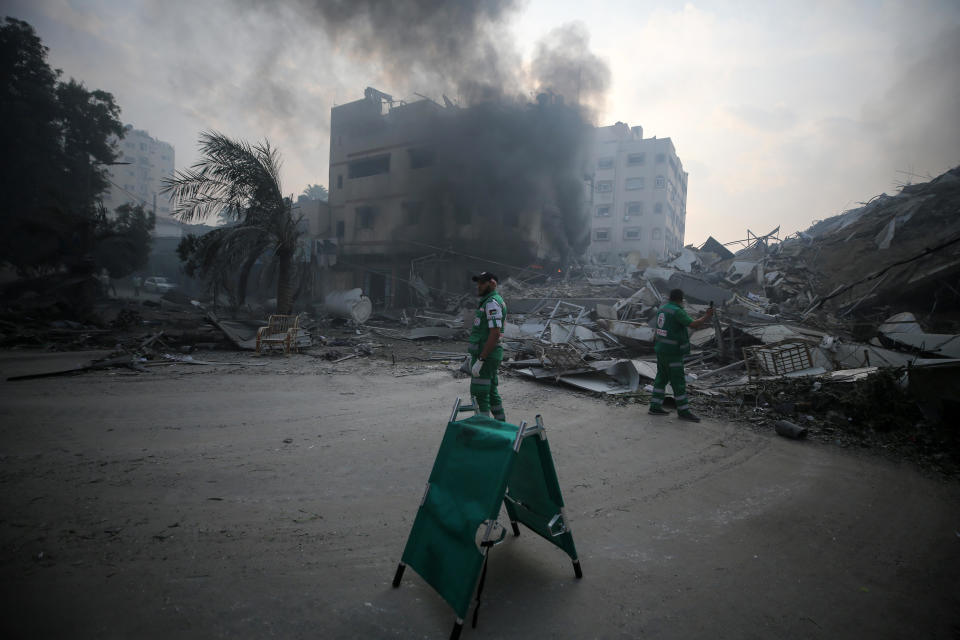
x: 782, y: 112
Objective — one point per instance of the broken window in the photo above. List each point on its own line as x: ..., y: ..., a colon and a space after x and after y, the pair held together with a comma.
x: 372, y: 166
x: 605, y: 163
x: 340, y: 229
x: 602, y: 257
x: 601, y: 234
x: 603, y: 211
x: 365, y: 216
x: 656, y: 233
x: 634, y: 209
x: 632, y: 233
x: 634, y: 184
x: 604, y: 186
x: 634, y: 159
x: 422, y: 157
x: 411, y: 212
x: 661, y: 182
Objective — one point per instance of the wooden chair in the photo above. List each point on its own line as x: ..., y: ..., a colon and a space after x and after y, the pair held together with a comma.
x: 280, y: 330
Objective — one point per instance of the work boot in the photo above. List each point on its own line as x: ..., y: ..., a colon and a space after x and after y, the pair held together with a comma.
x: 657, y: 410
x: 689, y: 416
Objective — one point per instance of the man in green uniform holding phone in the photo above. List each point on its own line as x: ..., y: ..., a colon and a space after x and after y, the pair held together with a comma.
x: 671, y: 343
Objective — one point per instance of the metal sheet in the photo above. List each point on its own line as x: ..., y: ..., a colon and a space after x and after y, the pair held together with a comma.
x: 941, y: 344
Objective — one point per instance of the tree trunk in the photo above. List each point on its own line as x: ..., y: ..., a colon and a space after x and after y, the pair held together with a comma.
x: 284, y: 281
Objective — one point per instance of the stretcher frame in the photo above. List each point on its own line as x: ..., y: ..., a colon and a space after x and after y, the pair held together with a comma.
x: 556, y: 530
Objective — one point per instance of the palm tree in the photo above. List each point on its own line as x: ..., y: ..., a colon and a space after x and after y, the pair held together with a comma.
x: 316, y: 192
x: 241, y: 183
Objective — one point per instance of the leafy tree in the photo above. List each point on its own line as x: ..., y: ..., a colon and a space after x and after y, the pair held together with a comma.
x: 55, y: 138
x: 316, y: 192
x: 242, y: 183
x: 123, y: 242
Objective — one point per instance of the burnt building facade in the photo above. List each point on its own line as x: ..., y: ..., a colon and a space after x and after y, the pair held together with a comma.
x: 423, y: 194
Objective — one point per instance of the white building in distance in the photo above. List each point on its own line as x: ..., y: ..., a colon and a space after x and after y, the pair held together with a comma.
x: 139, y: 182
x: 639, y: 196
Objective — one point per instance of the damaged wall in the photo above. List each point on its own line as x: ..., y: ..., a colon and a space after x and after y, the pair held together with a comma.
x: 499, y: 181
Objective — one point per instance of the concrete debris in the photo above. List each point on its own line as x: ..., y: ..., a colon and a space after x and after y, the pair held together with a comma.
x: 785, y: 309
x: 349, y: 305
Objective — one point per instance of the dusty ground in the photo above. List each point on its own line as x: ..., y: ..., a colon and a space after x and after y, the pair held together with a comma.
x: 274, y: 501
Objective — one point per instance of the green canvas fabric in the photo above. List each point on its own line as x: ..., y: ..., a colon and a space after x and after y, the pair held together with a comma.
x: 467, y: 486
x: 533, y: 493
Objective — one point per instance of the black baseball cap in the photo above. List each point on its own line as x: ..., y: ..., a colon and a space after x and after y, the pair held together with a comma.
x: 484, y: 277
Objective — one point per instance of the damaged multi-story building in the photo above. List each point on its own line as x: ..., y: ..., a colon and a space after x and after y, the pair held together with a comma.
x: 423, y: 194
x: 639, y: 196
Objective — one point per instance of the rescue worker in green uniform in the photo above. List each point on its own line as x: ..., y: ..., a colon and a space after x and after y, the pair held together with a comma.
x: 485, y: 350
x: 671, y: 343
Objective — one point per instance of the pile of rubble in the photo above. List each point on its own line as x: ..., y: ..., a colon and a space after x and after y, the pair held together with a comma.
x: 869, y: 295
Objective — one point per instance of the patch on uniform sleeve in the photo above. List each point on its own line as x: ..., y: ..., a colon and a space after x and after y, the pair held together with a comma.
x: 494, y: 314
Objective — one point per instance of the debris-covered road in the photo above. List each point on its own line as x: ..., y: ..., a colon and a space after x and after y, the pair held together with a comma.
x: 274, y: 501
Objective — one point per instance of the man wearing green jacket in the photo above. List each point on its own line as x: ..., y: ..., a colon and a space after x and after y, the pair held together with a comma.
x: 485, y: 350
x: 671, y: 343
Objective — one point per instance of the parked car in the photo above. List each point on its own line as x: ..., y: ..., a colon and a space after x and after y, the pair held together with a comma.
x: 158, y: 284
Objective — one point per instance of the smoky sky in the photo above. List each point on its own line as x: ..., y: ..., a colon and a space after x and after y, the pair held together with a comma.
x: 442, y: 46
x: 462, y: 48
x: 782, y: 112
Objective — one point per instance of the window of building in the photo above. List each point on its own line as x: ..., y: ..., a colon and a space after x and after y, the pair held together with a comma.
x: 411, y: 212
x: 603, y: 211
x: 511, y: 219
x: 420, y: 158
x: 365, y: 216
x: 143, y: 146
x: 658, y: 207
x: 634, y: 209
x: 340, y: 182
x: 657, y: 234
x: 661, y: 158
x: 602, y: 257
x: 601, y: 234
x: 633, y: 184
x: 636, y: 159
x: 632, y: 233
x: 661, y: 182
x: 604, y: 186
x: 340, y: 229
x: 605, y: 163
x: 372, y: 166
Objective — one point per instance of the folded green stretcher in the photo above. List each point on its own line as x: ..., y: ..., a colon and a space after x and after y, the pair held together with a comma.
x: 482, y: 463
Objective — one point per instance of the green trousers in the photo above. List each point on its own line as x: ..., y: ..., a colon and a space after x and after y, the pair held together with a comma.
x: 484, y: 388
x: 670, y: 370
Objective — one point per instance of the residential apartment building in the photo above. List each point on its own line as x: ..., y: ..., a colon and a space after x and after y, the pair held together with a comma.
x: 139, y: 182
x: 401, y: 210
x: 639, y: 196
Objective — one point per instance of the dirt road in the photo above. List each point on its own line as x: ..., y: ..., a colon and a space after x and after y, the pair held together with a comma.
x: 274, y: 501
